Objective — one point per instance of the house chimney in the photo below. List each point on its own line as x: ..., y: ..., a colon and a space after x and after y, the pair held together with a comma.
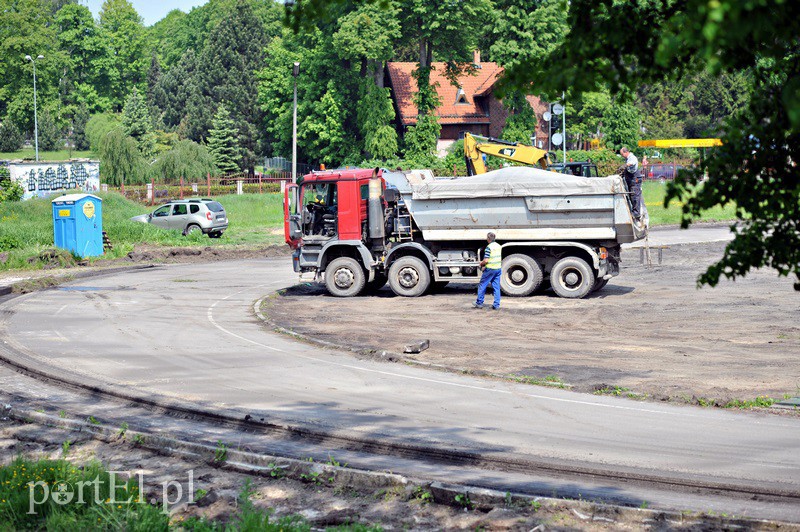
x: 476, y: 58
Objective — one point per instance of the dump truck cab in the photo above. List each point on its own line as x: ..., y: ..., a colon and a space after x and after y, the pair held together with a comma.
x: 326, y: 219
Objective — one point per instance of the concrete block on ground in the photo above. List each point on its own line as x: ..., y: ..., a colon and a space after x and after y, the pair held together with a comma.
x: 417, y: 347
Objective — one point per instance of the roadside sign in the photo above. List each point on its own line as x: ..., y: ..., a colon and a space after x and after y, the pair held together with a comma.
x: 558, y: 109
x: 557, y: 139
x: 546, y: 116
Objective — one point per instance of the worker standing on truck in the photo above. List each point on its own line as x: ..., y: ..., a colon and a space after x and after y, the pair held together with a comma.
x: 633, y: 180
x: 492, y: 268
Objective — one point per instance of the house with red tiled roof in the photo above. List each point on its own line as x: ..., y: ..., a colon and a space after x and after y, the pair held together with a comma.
x: 469, y: 106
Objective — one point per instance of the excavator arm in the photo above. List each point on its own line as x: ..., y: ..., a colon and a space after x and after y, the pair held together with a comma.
x: 475, y: 147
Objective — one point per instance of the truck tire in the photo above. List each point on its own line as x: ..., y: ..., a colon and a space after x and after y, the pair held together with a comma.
x: 572, y: 277
x: 344, y: 277
x: 599, y: 284
x: 409, y: 277
x: 521, y: 276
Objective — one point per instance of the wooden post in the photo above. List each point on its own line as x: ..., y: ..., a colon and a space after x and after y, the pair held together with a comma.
x: 209, y: 184
x: 181, y: 187
x: 259, y: 183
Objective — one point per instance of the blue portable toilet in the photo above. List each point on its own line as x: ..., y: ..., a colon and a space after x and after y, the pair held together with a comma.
x: 78, y: 224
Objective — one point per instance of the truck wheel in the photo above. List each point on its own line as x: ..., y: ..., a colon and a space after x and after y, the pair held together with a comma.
x: 409, y: 277
x: 521, y: 276
x: 344, y: 277
x: 599, y: 284
x: 572, y: 277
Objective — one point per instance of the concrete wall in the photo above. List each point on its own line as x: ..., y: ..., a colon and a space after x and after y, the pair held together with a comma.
x: 46, y: 178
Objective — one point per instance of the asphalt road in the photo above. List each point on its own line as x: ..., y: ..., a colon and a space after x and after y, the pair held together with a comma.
x: 190, y: 333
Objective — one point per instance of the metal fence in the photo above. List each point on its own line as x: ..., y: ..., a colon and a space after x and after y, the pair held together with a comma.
x: 168, y: 190
x: 284, y: 165
x: 662, y: 171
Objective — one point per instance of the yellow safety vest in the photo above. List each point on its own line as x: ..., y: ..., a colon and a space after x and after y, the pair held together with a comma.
x: 493, y: 254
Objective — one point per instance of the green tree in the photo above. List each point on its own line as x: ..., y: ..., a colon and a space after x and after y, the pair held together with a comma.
x: 323, y: 132
x: 755, y: 166
x: 588, y: 115
x: 10, y: 136
x: 98, y: 126
x: 521, y: 121
x: 525, y: 32
x: 367, y: 36
x: 375, y: 117
x: 185, y: 159
x: 121, y: 160
x: 173, y: 91
x: 153, y: 76
x: 79, y: 121
x: 26, y: 29
x: 223, y: 143
x: 622, y: 126
x: 227, y: 73
x: 126, y: 39
x: 50, y: 135
x: 87, y: 57
x: 136, y: 123
x: 451, y: 29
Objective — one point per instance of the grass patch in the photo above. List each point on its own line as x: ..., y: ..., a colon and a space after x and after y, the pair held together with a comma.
x: 96, y: 511
x: 26, y: 228
x: 762, y: 401
x: 57, y: 155
x: 653, y: 193
x: 618, y: 391
x: 549, y: 380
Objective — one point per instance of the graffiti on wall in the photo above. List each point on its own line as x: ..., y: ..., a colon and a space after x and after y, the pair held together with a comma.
x: 43, y: 179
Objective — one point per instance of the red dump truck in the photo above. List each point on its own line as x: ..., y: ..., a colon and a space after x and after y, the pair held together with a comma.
x: 356, y: 229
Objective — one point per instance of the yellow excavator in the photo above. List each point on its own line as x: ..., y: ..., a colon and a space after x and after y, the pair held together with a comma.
x: 475, y: 147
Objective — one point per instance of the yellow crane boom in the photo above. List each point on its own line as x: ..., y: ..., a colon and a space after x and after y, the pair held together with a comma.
x: 475, y: 147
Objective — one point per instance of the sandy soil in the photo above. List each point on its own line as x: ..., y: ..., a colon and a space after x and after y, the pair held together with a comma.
x: 650, y: 331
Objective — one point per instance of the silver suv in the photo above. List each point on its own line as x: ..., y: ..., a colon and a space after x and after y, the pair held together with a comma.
x: 188, y: 216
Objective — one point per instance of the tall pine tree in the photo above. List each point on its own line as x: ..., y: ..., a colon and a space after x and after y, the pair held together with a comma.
x: 137, y: 124
x: 227, y: 73
x: 222, y: 141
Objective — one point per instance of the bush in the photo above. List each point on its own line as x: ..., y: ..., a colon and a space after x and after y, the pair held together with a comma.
x: 11, y: 191
x: 10, y: 136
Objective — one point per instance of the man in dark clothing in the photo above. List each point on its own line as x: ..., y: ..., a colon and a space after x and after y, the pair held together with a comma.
x: 633, y: 179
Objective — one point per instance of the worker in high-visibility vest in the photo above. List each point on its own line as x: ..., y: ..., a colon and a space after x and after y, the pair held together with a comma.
x: 492, y: 268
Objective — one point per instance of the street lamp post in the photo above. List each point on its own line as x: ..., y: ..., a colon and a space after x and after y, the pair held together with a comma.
x: 295, y: 72
x: 35, y: 118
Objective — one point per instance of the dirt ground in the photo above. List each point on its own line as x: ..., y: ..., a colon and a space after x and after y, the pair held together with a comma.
x: 649, y: 333
x: 216, y: 490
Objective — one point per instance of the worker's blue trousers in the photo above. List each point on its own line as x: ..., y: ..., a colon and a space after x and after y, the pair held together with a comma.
x: 490, y: 277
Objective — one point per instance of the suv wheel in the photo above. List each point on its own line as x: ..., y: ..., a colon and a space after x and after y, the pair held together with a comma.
x: 192, y: 229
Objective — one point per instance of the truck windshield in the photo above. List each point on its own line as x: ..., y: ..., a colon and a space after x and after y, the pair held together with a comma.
x: 323, y: 194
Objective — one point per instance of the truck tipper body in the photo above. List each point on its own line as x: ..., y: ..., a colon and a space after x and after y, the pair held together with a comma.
x: 359, y: 229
